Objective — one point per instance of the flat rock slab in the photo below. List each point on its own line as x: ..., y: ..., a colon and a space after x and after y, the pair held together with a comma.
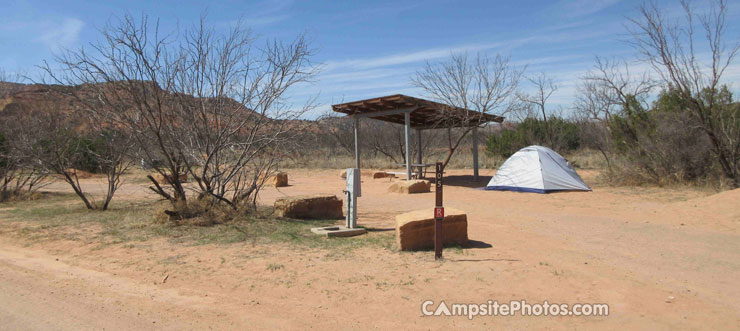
x: 321, y: 206
x: 410, y: 186
x: 415, y: 230
x: 338, y: 231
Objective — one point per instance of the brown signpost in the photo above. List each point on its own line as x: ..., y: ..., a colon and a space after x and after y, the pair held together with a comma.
x: 439, y: 214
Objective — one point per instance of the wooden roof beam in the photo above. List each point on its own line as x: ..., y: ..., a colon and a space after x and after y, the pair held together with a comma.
x: 384, y: 112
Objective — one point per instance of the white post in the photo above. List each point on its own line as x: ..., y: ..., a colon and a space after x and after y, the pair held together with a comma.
x: 357, y: 142
x: 352, y: 192
x: 407, y: 119
x: 475, y: 153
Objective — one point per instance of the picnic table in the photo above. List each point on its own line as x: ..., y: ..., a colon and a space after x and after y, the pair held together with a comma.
x: 418, y: 169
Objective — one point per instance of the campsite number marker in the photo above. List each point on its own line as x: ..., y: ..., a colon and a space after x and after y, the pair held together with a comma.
x: 439, y: 214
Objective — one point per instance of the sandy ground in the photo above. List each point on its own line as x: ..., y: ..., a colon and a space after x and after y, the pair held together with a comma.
x: 661, y: 259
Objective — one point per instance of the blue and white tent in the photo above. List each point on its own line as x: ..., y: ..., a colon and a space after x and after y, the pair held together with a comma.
x: 536, y: 169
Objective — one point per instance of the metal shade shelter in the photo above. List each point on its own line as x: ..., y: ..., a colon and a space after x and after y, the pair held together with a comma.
x: 417, y: 114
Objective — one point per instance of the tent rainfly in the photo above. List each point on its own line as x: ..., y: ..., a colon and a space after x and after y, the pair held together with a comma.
x: 536, y: 169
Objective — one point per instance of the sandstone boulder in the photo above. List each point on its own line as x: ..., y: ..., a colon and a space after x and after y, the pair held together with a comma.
x: 309, y: 206
x: 280, y: 179
x: 410, y: 186
x: 415, y: 230
x: 165, y: 180
x: 381, y: 174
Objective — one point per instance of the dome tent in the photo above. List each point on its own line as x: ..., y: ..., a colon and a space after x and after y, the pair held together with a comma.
x: 536, y: 169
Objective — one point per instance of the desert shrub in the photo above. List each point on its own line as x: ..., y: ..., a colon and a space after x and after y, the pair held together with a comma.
x: 504, y: 143
x: 565, y: 133
x: 661, y: 145
x: 533, y: 131
x: 89, y: 148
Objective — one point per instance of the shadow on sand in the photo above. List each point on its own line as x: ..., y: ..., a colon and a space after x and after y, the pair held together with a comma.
x: 481, y: 260
x: 477, y: 244
x: 465, y: 181
x: 369, y: 229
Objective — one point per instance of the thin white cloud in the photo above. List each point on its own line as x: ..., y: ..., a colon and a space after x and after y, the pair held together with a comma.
x: 579, y: 8
x: 355, y: 75
x: 416, y: 56
x: 265, y: 20
x: 56, y: 35
x: 266, y: 13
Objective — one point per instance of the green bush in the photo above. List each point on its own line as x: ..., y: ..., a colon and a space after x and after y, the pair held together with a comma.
x: 505, y: 143
x: 663, y: 144
x: 88, y: 149
x: 532, y: 131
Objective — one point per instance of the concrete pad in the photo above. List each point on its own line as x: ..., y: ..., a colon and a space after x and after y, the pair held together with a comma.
x: 338, y: 231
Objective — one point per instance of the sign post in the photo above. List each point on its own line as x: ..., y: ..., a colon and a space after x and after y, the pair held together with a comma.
x: 439, y: 214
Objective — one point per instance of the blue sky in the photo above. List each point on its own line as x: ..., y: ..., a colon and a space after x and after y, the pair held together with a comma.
x: 368, y: 48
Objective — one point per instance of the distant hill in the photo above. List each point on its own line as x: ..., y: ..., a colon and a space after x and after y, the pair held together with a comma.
x: 16, y: 99
x: 19, y: 98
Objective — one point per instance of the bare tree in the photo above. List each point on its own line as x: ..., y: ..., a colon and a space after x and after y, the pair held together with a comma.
x: 593, y: 109
x: 544, y: 87
x: 483, y: 84
x: 613, y: 85
x: 675, y: 53
x: 339, y: 128
x: 204, y: 104
x: 610, y: 89
x: 48, y: 138
x: 113, y: 157
x: 17, y: 178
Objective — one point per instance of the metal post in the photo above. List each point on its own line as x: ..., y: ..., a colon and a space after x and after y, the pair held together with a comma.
x: 348, y: 219
x: 353, y: 222
x: 439, y: 213
x: 407, y: 119
x: 418, y: 146
x: 475, y: 153
x: 357, y: 142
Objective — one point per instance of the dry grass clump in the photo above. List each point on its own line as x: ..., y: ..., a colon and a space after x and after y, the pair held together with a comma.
x: 196, y: 212
x: 622, y: 173
x: 586, y: 159
x: 17, y: 196
x: 14, y: 196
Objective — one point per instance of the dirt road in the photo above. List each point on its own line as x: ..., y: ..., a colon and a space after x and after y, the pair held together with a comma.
x: 660, y: 258
x: 39, y: 292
